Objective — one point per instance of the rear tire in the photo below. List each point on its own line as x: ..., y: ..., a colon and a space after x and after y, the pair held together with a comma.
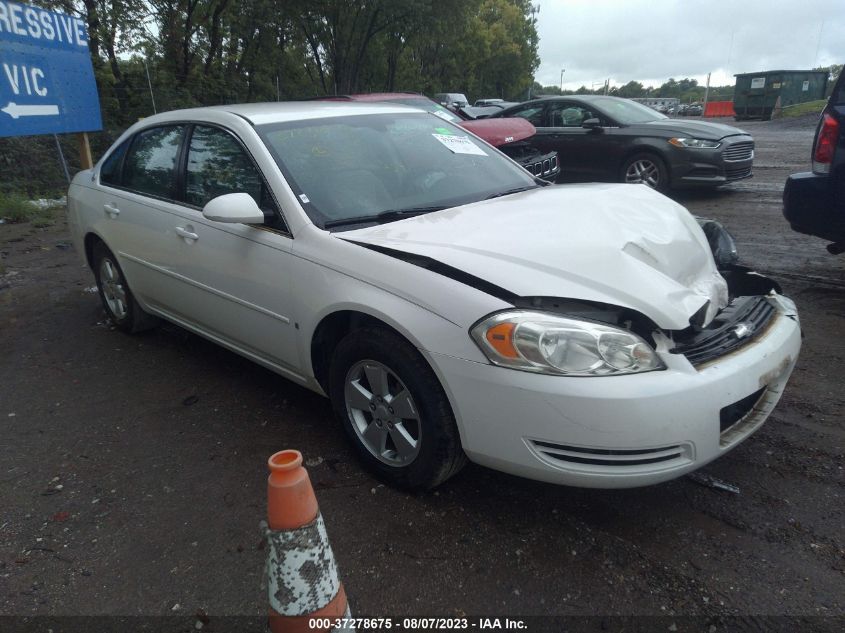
x: 647, y: 169
x: 394, y: 410
x: 118, y: 301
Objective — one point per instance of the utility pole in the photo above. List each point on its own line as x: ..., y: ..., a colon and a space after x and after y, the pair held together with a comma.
x: 534, y: 10
x: 150, y: 84
x: 562, y: 70
x: 706, y: 95
x: 818, y: 45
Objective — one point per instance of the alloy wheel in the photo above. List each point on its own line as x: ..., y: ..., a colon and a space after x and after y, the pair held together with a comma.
x: 643, y: 171
x: 383, y: 413
x: 113, y: 290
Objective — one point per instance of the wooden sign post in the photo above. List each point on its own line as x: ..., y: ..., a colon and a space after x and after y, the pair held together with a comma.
x: 85, y: 160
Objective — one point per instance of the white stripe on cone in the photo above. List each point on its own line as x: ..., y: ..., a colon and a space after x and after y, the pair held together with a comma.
x: 302, y: 572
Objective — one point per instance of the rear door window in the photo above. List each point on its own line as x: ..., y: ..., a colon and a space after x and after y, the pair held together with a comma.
x: 150, y: 165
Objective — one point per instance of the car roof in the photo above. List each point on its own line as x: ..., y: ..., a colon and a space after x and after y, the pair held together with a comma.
x: 380, y: 96
x: 278, y: 112
x: 577, y: 97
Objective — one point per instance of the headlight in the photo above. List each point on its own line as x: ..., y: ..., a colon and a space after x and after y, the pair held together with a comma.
x: 549, y: 344
x: 694, y: 142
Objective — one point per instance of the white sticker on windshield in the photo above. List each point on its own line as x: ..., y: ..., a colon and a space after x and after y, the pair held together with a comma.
x: 460, y: 144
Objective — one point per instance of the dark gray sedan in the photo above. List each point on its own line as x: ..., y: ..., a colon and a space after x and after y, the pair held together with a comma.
x: 602, y: 138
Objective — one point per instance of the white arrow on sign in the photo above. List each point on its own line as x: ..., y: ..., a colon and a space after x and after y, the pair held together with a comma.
x: 16, y: 111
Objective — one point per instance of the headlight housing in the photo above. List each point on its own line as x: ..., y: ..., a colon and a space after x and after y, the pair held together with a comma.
x: 699, y: 143
x: 547, y: 343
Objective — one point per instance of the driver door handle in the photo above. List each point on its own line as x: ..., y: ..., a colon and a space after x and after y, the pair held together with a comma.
x: 186, y: 233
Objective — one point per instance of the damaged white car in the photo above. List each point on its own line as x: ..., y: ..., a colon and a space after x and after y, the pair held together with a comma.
x: 449, y: 304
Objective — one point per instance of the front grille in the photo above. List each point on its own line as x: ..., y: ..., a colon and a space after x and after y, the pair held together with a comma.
x: 583, y: 458
x: 741, y: 322
x: 543, y: 167
x: 737, y: 173
x: 738, y: 151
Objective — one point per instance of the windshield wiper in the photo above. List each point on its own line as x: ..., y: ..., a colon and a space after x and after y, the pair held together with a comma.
x: 397, y: 214
x: 508, y: 192
x: 385, y: 216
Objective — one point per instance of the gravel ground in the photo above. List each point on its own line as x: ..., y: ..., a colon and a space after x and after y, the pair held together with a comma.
x: 132, y: 470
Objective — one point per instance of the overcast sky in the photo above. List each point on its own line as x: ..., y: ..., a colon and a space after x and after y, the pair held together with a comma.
x: 652, y: 40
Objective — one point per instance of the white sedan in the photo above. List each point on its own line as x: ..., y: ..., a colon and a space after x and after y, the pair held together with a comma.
x: 449, y: 304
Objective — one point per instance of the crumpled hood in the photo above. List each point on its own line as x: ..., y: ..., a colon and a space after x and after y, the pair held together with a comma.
x: 624, y: 245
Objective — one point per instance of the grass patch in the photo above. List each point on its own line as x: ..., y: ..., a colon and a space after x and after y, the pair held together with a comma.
x: 800, y: 109
x: 16, y: 209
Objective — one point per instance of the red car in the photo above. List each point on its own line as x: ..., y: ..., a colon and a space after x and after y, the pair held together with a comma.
x: 508, y: 135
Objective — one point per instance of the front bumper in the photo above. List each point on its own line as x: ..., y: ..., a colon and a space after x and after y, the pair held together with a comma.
x: 619, y: 431
x: 711, y: 168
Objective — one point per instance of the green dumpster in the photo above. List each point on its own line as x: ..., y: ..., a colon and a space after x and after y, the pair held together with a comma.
x: 756, y: 94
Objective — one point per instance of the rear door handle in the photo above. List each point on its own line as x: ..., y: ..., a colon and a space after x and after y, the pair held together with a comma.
x: 111, y: 210
x: 186, y: 232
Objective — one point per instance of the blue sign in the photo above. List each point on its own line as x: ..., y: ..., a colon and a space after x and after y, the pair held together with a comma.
x: 46, y: 79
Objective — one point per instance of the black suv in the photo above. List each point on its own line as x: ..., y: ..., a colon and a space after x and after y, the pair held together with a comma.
x: 814, y: 202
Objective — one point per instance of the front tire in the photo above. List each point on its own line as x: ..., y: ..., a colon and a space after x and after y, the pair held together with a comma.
x: 647, y: 169
x: 118, y: 301
x: 394, y: 410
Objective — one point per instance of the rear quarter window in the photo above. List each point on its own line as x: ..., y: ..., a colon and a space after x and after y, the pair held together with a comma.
x: 110, y: 171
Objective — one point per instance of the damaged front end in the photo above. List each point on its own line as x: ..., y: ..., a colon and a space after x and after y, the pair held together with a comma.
x: 754, y: 302
x: 637, y: 262
x: 753, y: 305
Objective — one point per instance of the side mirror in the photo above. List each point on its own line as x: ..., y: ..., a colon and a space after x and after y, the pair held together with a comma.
x: 233, y: 208
x: 592, y: 124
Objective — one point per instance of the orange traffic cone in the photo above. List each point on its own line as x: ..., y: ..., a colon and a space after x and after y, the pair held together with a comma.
x: 303, y: 581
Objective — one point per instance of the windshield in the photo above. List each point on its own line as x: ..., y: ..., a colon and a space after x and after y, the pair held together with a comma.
x: 627, y: 112
x: 377, y: 167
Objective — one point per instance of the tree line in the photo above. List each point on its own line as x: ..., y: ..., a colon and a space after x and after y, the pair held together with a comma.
x: 687, y: 90
x: 157, y: 55
x: 205, y: 52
